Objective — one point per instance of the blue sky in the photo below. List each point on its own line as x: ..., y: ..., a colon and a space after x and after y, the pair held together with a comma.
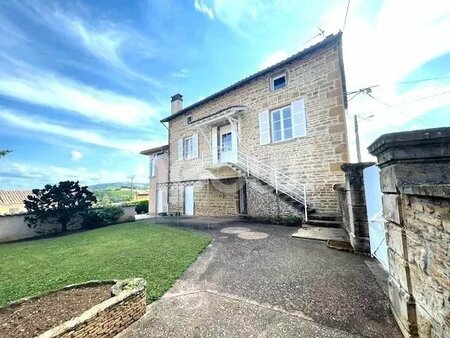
x: 83, y: 84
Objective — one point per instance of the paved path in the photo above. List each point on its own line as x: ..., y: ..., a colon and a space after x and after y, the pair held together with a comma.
x: 263, y: 283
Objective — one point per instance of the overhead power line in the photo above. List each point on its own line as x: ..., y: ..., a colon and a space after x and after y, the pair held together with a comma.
x: 403, y: 83
x: 422, y: 98
x: 401, y: 112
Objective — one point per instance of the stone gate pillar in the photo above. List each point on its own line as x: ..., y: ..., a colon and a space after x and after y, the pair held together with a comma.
x: 415, y: 181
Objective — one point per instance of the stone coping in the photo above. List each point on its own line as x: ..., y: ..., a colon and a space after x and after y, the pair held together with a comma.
x: 435, y: 190
x: 405, y: 138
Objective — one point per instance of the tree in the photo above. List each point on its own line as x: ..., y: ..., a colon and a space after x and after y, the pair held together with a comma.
x: 58, y: 203
x: 4, y: 152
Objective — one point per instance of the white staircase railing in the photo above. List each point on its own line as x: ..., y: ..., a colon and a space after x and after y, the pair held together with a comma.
x: 281, y: 182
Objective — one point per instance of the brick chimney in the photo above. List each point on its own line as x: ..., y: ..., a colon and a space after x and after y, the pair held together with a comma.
x: 177, y: 103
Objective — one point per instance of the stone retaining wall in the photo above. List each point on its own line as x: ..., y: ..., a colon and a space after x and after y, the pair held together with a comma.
x: 108, y: 318
x: 415, y: 181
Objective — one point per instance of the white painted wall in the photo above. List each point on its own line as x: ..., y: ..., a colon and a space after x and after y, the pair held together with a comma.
x: 14, y: 227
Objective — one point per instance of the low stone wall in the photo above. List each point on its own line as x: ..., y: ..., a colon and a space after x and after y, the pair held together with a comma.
x: 415, y: 181
x: 14, y: 227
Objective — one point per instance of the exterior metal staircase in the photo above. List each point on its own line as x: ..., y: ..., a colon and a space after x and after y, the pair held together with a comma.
x: 289, y: 189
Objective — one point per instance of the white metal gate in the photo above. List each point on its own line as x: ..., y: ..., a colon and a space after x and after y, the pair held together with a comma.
x: 378, y: 246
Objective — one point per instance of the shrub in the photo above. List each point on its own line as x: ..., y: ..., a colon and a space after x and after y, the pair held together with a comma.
x: 96, y: 218
x: 60, y: 204
x: 141, y: 207
x: 282, y: 220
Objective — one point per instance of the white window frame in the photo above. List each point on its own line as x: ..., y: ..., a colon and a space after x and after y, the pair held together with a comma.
x: 272, y: 134
x: 276, y: 77
x: 188, y: 153
x: 153, y: 166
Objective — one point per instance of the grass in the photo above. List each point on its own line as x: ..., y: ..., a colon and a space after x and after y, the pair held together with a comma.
x: 157, y: 253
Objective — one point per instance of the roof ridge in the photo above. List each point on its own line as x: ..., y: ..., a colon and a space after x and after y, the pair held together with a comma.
x: 328, y: 39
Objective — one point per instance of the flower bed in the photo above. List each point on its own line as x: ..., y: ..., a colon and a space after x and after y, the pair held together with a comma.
x: 92, y: 309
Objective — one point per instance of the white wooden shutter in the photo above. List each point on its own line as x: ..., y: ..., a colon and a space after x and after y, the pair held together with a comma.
x: 298, y: 118
x: 180, y: 149
x: 214, y: 144
x: 194, y: 146
x: 264, y: 127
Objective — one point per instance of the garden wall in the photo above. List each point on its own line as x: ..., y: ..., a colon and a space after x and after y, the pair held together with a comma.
x: 415, y: 181
x: 14, y: 227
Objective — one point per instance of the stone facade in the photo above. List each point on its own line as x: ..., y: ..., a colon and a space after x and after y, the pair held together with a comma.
x: 262, y: 201
x: 415, y: 181
x: 314, y: 159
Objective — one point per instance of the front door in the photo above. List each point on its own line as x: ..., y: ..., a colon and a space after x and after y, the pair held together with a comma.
x: 225, y: 146
x: 161, y: 201
x: 189, y: 200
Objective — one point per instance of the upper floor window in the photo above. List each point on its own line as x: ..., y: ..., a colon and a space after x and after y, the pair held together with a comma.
x: 153, y: 166
x: 278, y: 82
x: 281, y: 124
x: 188, y: 147
x: 188, y: 119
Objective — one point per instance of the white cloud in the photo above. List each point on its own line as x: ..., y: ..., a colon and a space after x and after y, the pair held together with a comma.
x: 201, y: 7
x: 273, y: 58
x: 28, y: 122
x: 182, y: 73
x: 31, y: 175
x: 30, y: 85
x: 385, y: 49
x: 76, y: 155
x: 109, y: 41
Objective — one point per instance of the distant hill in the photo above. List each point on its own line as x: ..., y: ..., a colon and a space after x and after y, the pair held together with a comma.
x: 118, y: 185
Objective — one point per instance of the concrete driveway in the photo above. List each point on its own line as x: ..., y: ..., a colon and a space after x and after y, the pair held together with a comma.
x: 260, y: 282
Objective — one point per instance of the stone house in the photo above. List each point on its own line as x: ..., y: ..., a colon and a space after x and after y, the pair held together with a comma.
x: 11, y: 201
x: 271, y: 144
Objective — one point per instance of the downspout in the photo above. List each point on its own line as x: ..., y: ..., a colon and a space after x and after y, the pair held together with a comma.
x: 168, y: 165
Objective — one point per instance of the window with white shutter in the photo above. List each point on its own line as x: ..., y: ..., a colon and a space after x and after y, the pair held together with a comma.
x: 298, y: 118
x: 180, y: 149
x: 264, y: 127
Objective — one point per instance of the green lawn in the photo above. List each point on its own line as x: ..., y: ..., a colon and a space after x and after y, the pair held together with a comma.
x: 158, y: 253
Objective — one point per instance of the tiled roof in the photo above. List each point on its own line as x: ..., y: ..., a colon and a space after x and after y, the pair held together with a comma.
x: 13, y: 196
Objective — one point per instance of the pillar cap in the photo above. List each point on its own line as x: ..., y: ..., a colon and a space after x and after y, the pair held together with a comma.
x: 423, y: 145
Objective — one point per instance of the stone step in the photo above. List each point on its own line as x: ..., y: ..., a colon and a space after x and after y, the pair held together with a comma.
x: 324, y: 223
x: 326, y: 217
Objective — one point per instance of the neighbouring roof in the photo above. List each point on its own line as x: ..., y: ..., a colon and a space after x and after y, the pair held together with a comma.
x: 155, y: 150
x: 328, y: 40
x: 8, y: 197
